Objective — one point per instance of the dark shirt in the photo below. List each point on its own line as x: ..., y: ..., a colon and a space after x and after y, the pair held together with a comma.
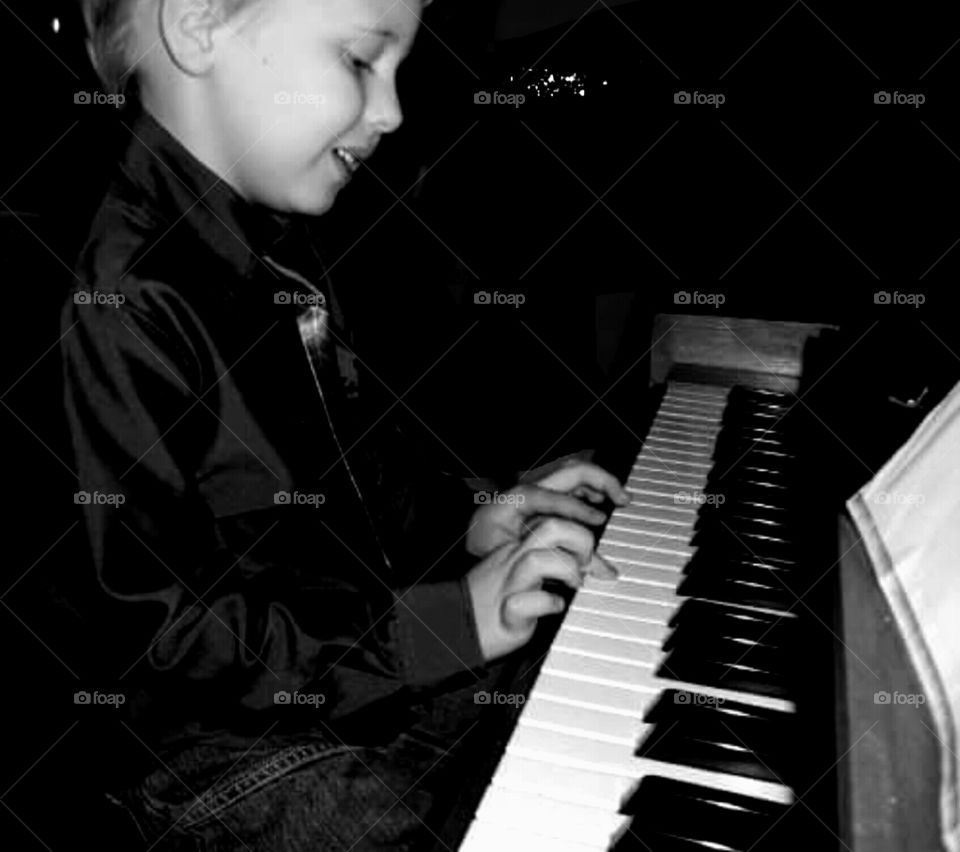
x: 194, y: 409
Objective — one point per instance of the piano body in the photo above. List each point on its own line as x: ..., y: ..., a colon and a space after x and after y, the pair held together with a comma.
x: 719, y: 694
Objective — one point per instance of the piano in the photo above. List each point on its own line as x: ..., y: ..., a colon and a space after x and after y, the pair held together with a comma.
x: 707, y: 698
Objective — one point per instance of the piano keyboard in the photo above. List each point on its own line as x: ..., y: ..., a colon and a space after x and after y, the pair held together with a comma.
x: 662, y: 717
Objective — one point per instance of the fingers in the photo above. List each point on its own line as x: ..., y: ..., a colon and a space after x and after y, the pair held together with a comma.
x: 586, y: 474
x: 521, y: 608
x: 560, y: 533
x: 531, y: 568
x: 601, y: 569
x: 542, y: 501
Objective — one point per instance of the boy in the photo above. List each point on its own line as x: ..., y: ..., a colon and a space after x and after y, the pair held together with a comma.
x: 291, y: 684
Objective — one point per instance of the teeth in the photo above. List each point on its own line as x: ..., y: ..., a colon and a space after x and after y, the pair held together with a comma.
x: 351, y: 162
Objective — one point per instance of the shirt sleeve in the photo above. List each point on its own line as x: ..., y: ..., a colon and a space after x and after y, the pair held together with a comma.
x: 228, y: 617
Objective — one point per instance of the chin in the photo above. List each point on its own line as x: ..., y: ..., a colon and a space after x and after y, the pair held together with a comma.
x: 314, y: 204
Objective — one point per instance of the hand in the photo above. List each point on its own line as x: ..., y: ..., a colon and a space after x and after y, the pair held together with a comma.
x: 557, y: 495
x: 505, y: 588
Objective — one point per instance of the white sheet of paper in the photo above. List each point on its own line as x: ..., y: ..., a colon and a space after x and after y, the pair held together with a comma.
x: 909, y: 517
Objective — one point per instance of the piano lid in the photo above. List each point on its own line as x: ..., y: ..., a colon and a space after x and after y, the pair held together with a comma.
x: 907, y: 515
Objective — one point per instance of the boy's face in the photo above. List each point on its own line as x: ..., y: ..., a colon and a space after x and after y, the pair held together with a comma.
x: 289, y: 87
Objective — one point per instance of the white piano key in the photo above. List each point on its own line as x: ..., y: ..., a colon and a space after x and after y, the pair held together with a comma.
x: 643, y: 679
x: 636, y: 653
x: 667, y: 483
x: 604, y: 592
x: 682, y: 438
x: 564, y: 783
x: 675, y: 410
x: 677, y: 429
x: 630, y: 542
x: 593, y: 723
x: 635, y: 531
x: 624, y: 610
x: 662, y: 556
x: 656, y: 465
x: 655, y: 520
x: 600, y: 696
x: 562, y: 820
x: 691, y: 464
x: 654, y: 630
x: 712, y: 403
x: 654, y: 451
x: 693, y: 421
x: 633, y: 571
x: 678, y: 526
x: 569, y: 750
x: 664, y: 498
x: 490, y: 837
x: 643, y: 509
x: 671, y: 450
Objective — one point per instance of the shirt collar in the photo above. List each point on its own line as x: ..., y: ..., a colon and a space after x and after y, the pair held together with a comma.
x: 183, y: 192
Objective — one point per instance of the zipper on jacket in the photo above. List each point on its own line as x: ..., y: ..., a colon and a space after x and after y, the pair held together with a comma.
x: 312, y: 323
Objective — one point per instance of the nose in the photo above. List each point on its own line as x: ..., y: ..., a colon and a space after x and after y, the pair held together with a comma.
x: 383, y: 107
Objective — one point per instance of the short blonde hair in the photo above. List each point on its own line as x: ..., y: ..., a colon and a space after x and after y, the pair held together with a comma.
x: 112, y: 36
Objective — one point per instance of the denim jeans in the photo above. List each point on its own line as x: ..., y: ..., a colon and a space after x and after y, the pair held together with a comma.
x: 314, y: 791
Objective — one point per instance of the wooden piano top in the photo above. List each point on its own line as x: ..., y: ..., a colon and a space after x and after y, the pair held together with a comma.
x: 730, y: 350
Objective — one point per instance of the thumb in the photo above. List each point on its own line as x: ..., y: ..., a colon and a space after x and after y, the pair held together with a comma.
x: 522, y: 609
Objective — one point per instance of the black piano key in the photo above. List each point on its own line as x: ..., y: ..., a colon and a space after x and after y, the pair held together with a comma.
x: 765, y: 512
x: 722, y: 541
x: 718, y: 620
x: 732, y: 481
x: 736, y: 449
x: 693, y: 729
x: 674, y: 816
x: 737, y: 519
x: 742, y: 477
x: 737, y: 590
x: 754, y: 536
x: 794, y: 582
x: 767, y: 646
x: 764, y: 656
x: 742, y: 565
x: 730, y: 674
x: 755, y: 459
x: 745, y: 485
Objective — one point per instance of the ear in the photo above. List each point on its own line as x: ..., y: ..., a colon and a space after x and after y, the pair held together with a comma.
x: 188, y: 29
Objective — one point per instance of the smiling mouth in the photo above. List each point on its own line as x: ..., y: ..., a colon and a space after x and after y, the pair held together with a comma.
x: 349, y: 161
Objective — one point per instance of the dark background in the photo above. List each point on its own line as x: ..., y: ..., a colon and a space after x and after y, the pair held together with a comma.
x: 694, y: 198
